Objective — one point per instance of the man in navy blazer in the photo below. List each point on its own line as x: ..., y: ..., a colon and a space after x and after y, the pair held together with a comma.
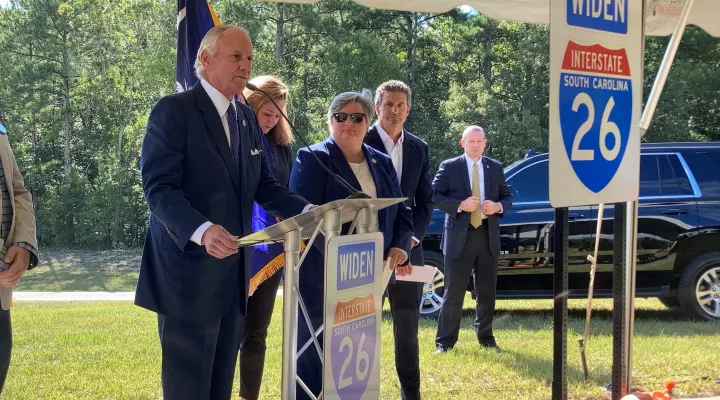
x: 471, y: 189
x: 411, y: 160
x: 202, y: 168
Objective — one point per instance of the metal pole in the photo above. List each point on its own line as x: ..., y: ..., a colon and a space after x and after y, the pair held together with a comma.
x: 365, y: 218
x: 290, y: 314
x: 631, y: 270
x: 560, y: 309
x: 664, y: 70
x: 620, y: 354
x: 332, y: 226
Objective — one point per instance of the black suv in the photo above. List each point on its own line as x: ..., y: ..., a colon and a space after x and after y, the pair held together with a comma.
x: 678, y: 245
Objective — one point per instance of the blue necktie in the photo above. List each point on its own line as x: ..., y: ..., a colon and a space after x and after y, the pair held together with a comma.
x: 234, y: 134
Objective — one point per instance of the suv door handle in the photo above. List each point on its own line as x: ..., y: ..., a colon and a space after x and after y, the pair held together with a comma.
x: 673, y: 211
x: 572, y: 217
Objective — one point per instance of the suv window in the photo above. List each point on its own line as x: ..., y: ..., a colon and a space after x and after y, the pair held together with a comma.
x: 705, y: 167
x: 531, y: 184
x: 649, y: 176
x: 663, y: 175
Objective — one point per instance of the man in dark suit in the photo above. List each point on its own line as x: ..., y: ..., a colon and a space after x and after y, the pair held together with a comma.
x: 411, y: 161
x: 471, y: 189
x: 202, y: 169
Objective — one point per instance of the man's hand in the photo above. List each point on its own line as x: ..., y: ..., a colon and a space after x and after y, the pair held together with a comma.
x: 19, y: 260
x: 470, y: 204
x: 404, y: 271
x: 396, y: 257
x: 413, y: 243
x: 219, y: 243
x: 490, y: 207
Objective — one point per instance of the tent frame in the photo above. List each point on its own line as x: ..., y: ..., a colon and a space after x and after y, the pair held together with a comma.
x: 625, y: 251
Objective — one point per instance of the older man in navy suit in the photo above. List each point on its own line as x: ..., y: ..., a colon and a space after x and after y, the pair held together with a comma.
x: 471, y: 189
x: 411, y: 160
x: 202, y: 168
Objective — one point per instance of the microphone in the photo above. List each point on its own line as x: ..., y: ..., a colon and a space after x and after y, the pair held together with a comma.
x: 354, y: 194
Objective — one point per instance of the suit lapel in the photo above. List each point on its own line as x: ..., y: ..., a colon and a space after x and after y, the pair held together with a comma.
x: 408, y: 155
x: 486, y: 177
x: 245, y: 146
x: 380, y: 187
x: 217, y: 132
x: 373, y: 140
x: 341, y: 165
x: 463, y: 171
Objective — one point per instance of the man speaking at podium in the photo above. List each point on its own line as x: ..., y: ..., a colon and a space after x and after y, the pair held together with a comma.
x: 202, y: 168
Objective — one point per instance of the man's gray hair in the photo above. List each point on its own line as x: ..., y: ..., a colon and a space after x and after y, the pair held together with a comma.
x: 365, y: 99
x: 472, y: 128
x: 393, y: 86
x: 209, y: 43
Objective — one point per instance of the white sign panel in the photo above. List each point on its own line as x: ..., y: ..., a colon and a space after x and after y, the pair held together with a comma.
x: 596, y: 68
x: 353, y: 307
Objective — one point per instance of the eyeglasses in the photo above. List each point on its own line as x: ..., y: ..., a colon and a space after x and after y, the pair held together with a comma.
x: 356, y: 118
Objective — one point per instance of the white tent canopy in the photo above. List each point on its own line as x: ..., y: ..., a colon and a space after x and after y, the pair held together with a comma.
x: 662, y: 15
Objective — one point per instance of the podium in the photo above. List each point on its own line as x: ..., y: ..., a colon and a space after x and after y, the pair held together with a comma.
x: 328, y: 220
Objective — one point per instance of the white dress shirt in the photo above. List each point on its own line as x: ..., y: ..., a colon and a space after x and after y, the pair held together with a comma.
x: 221, y: 103
x: 394, y: 150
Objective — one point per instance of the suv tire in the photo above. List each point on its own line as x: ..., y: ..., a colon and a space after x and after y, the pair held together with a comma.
x: 432, y: 296
x: 699, y: 290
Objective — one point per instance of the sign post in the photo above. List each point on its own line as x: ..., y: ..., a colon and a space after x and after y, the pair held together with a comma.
x: 353, y: 306
x: 596, y: 69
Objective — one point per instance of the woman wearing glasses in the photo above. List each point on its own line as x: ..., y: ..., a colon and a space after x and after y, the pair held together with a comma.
x: 366, y: 170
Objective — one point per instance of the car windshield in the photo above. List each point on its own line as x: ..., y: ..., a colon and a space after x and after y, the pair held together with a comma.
x: 511, y: 166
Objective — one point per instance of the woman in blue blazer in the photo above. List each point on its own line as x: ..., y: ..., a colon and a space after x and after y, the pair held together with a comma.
x: 364, y: 168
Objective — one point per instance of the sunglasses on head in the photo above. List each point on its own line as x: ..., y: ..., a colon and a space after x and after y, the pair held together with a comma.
x: 354, y: 117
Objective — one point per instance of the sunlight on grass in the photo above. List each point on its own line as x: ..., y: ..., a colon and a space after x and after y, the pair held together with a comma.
x: 60, y: 271
x: 103, y: 350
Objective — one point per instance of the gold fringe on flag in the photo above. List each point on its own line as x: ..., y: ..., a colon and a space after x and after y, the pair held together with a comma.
x: 215, y: 17
x: 275, y: 265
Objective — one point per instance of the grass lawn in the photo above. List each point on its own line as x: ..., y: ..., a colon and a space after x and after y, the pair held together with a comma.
x: 83, y: 270
x: 104, y: 350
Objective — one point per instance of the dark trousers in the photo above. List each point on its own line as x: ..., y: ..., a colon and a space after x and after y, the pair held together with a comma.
x: 405, y: 308
x: 252, y: 345
x: 199, y: 358
x: 5, y: 345
x: 475, y: 257
x: 309, y: 365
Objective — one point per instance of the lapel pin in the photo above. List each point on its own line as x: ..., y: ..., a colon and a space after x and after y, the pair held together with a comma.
x: 374, y: 161
x: 244, y: 123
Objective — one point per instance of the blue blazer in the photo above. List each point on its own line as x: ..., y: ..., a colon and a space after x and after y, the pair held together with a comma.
x: 314, y: 183
x: 189, y: 177
x: 416, y: 184
x: 452, y: 186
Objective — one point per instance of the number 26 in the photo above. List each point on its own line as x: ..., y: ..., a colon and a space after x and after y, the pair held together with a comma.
x: 606, y: 128
x: 361, y: 358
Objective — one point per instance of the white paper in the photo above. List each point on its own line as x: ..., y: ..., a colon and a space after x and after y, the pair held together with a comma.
x: 419, y: 274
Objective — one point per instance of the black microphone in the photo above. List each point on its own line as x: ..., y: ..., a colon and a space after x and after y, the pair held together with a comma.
x: 354, y: 194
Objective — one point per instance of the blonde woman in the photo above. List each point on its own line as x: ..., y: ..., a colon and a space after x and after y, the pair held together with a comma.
x: 265, y: 260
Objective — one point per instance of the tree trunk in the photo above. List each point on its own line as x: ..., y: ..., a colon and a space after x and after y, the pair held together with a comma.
x: 66, y: 195
x: 487, y: 60
x: 412, y: 34
x: 280, y: 32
